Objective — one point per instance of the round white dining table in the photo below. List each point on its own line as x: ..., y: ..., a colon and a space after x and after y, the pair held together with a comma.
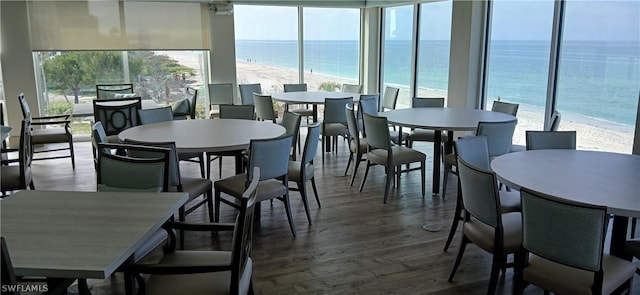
x: 311, y: 97
x: 200, y: 136
x: 439, y: 119
x: 592, y: 177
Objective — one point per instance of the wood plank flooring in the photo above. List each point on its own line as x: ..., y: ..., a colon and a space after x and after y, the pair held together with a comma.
x: 356, y: 244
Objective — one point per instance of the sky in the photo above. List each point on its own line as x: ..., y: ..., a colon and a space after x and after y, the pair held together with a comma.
x: 512, y: 20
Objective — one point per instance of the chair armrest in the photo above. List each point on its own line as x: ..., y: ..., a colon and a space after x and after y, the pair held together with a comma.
x: 170, y: 269
x: 65, y: 122
x: 199, y: 226
x: 63, y: 116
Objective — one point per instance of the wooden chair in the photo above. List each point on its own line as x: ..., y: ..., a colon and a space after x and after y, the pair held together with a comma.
x: 562, y: 249
x: 186, y: 107
x: 18, y: 177
x: 272, y: 156
x: 55, y: 129
x: 117, y: 115
x: 302, y: 171
x: 357, y: 146
x: 207, y: 272
x: 117, y: 90
x: 484, y: 224
x: 392, y: 157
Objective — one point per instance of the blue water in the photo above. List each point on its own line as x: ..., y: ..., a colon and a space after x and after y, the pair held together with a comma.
x: 596, y: 79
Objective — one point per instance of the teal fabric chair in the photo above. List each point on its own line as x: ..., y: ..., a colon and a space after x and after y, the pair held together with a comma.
x: 305, y: 111
x: 291, y: 123
x: 563, y: 245
x: 19, y: 177
x: 207, y: 272
x: 117, y: 117
x: 334, y: 123
x: 537, y: 140
x: 302, y: 171
x: 272, y: 156
x: 241, y: 112
x: 368, y: 104
x: 351, y: 88
x: 247, y: 91
x: 505, y: 107
x: 357, y: 146
x: 264, y: 108
x: 186, y: 107
x: 424, y: 134
x: 392, y: 157
x: 219, y: 94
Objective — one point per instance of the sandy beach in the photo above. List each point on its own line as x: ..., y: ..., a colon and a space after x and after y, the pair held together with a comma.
x: 607, y: 136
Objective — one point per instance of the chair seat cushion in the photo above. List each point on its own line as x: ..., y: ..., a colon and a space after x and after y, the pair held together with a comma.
x: 482, y: 234
x: 195, y: 186
x: 235, y: 186
x: 562, y: 279
x: 401, y: 155
x: 200, y: 283
x: 113, y: 139
x: 393, y: 134
x: 426, y: 135
x: 450, y: 159
x: 510, y: 201
x: 302, y: 111
x: 334, y: 129
x: 294, y: 171
x: 49, y: 135
x: 363, y: 146
x: 633, y: 247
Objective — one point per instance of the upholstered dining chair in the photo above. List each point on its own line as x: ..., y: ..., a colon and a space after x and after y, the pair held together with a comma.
x: 117, y: 117
x: 537, y: 140
x: 553, y: 126
x: 240, y: 112
x: 392, y: 157
x: 305, y: 111
x: 484, y: 224
x: 499, y: 137
x: 149, y: 116
x: 368, y: 104
x: 272, y: 156
x: 206, y: 272
x: 424, y: 134
x: 291, y: 123
x: 357, y: 146
x: 475, y: 151
x: 195, y: 186
x: 389, y: 101
x: 219, y: 94
x: 98, y: 136
x: 334, y: 122
x: 186, y: 107
x: 505, y: 107
x: 247, y: 91
x: 109, y: 91
x: 302, y: 171
x: 264, y: 107
x: 563, y: 244
x: 351, y: 88
x: 18, y: 177
x: 54, y: 129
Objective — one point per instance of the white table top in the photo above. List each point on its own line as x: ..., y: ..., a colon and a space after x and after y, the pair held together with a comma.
x: 65, y: 234
x: 208, y: 135
x: 451, y: 119
x: 86, y: 109
x: 598, y: 178
x: 313, y: 97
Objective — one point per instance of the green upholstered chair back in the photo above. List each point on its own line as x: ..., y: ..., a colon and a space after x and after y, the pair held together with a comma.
x: 505, y: 107
x: 117, y: 114
x: 389, y: 98
x: 480, y: 193
x: 244, y: 112
x: 174, y: 162
x: 351, y: 88
x: 427, y: 102
x: 220, y: 94
x: 98, y: 136
x: 149, y: 116
x: 264, y: 107
x: 109, y: 91
x: 311, y: 143
x: 271, y: 155
x: 334, y: 110
x: 247, y: 91
x: 352, y: 124
x: 295, y: 87
x: 565, y: 232
x: 242, y: 242
x: 126, y: 173
x: 538, y: 140
x: 474, y: 150
x: 499, y: 136
x: 377, y: 131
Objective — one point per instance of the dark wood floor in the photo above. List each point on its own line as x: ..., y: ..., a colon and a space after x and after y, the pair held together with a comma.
x: 356, y: 245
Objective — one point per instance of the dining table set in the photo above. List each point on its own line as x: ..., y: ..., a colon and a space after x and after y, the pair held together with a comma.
x: 90, y: 235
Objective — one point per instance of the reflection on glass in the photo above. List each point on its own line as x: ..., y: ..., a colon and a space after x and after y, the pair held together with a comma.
x: 518, y: 64
x: 396, y: 42
x: 433, y: 49
x: 599, y: 73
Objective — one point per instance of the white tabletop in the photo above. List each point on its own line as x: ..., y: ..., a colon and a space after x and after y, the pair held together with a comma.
x: 599, y: 178
x: 65, y: 234
x: 208, y: 135
x: 313, y: 97
x: 451, y: 119
x: 86, y: 109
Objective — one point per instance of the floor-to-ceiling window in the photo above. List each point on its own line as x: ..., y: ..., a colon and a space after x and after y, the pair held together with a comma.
x: 397, y: 50
x: 331, y: 47
x: 266, y: 45
x: 433, y: 49
x: 518, y: 59
x: 599, y: 73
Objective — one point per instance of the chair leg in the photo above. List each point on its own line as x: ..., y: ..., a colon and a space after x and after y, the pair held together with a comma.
x: 445, y: 178
x: 216, y: 217
x: 302, y: 187
x: 323, y: 150
x: 202, y: 172
x: 73, y: 156
x: 287, y: 206
x: 366, y: 172
x: 315, y: 191
x: 456, y: 219
x: 495, y: 273
x: 423, y: 173
x: 32, y: 186
x: 348, y: 163
x: 210, y: 204
x: 389, y: 179
x: 219, y: 166
x: 355, y: 168
x: 208, y: 156
x: 463, y: 245
x: 181, y: 218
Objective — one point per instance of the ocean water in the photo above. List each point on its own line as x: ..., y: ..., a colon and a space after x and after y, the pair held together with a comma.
x: 596, y: 79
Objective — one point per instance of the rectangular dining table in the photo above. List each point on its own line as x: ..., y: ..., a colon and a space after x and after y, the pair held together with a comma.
x: 80, y: 235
